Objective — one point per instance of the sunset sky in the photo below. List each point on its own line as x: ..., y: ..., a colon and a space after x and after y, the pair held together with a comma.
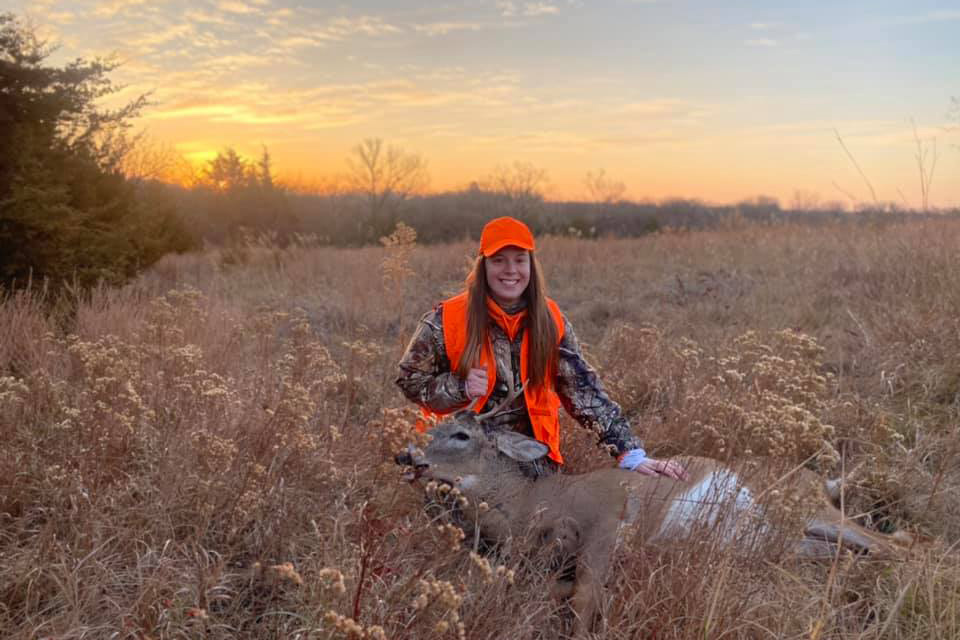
x: 718, y: 101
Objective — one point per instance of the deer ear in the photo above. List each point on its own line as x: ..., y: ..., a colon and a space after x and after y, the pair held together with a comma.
x: 519, y: 447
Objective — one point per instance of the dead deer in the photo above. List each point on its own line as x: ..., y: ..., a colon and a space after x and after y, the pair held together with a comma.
x: 583, y: 515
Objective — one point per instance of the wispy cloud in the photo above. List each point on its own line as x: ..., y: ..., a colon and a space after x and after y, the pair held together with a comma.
x: 113, y: 7
x: 147, y: 41
x: 60, y: 18
x: 944, y: 15
x: 205, y: 17
x: 760, y: 42
x: 540, y: 9
x: 235, y: 6
x: 280, y: 17
x: 344, y: 27
x: 254, y: 115
x: 661, y: 108
x: 298, y: 42
x: 443, y: 28
x: 511, y: 9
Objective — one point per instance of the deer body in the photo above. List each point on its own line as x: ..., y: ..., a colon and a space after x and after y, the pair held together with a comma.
x: 584, y: 515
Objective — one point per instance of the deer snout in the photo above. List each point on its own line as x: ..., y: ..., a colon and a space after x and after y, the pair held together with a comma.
x: 412, y: 457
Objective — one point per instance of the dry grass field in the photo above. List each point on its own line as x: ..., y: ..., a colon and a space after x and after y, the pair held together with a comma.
x: 207, y: 452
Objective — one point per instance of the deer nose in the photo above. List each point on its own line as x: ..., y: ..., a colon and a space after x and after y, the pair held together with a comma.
x: 412, y: 457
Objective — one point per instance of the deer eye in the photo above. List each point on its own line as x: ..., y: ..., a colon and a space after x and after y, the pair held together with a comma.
x: 460, y: 435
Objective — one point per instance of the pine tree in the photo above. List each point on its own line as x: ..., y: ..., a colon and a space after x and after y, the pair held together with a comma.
x: 67, y: 214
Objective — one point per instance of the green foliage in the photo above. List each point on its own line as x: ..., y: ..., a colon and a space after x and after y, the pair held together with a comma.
x: 67, y: 214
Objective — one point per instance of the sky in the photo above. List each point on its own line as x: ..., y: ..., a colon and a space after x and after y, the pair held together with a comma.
x: 719, y: 101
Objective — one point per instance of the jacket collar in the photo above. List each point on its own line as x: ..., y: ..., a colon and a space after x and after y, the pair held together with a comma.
x: 511, y: 323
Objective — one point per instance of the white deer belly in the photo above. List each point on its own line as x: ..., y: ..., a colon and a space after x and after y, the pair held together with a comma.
x: 718, y: 505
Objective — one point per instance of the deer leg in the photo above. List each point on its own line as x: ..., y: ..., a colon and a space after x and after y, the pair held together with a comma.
x: 588, y: 590
x: 829, y: 533
x: 584, y: 602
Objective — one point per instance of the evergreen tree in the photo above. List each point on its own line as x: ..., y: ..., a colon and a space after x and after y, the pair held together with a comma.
x: 66, y: 211
x: 243, y: 195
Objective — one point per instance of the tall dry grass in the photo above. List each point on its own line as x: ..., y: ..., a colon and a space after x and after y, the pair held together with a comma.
x: 206, y: 453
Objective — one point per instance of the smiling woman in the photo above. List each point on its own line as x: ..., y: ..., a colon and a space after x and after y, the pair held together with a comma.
x: 503, y: 347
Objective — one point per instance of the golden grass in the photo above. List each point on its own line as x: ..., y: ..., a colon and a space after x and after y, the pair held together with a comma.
x: 207, y: 453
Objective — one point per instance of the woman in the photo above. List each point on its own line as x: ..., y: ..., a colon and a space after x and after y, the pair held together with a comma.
x: 503, y: 332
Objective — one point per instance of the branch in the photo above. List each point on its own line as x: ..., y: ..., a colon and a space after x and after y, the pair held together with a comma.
x: 873, y: 193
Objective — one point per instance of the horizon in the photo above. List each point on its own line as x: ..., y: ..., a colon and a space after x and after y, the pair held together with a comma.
x: 675, y: 99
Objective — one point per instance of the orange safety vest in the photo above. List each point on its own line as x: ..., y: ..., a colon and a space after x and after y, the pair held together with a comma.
x: 543, y: 403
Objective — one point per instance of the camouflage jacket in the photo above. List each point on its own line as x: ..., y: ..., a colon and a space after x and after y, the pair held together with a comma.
x: 426, y: 379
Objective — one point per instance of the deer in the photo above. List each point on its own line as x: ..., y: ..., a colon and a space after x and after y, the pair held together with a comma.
x: 580, y: 518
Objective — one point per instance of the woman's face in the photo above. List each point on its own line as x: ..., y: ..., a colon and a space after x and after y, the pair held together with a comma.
x: 508, y: 274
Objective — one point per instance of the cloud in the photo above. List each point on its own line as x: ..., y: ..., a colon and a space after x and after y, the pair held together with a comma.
x: 195, y: 97
x: 198, y: 15
x: 661, y: 108
x: 443, y: 28
x: 245, y: 114
x: 235, y: 6
x: 113, y: 7
x: 237, y: 62
x: 280, y: 17
x: 510, y: 9
x: 146, y: 41
x: 944, y: 15
x: 760, y: 42
x: 299, y: 42
x: 60, y: 17
x: 507, y: 8
x: 764, y: 26
x: 341, y: 28
x: 539, y: 9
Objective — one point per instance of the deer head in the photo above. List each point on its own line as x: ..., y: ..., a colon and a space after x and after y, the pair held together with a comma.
x: 461, y: 452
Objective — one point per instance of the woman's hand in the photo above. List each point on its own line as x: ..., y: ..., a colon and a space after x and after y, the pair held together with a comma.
x: 476, y: 383
x: 637, y: 460
x: 668, y: 468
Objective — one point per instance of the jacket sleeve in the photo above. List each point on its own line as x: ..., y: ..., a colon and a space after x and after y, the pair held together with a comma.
x: 425, y: 377
x: 584, y: 398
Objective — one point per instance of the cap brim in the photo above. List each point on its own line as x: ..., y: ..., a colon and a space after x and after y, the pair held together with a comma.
x: 492, y: 249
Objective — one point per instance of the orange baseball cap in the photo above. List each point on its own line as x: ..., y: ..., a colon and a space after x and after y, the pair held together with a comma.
x: 505, y: 232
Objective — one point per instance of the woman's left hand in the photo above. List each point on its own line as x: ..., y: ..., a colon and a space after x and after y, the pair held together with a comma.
x: 668, y: 468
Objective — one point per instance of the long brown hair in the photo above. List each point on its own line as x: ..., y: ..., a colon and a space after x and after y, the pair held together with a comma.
x: 542, y: 332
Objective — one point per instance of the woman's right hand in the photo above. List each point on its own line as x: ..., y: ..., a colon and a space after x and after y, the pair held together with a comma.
x: 476, y: 383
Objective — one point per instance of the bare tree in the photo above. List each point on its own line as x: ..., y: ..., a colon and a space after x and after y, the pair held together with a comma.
x: 603, y: 190
x: 926, y: 157
x: 522, y: 184
x: 146, y: 158
x: 804, y: 200
x: 386, y: 176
